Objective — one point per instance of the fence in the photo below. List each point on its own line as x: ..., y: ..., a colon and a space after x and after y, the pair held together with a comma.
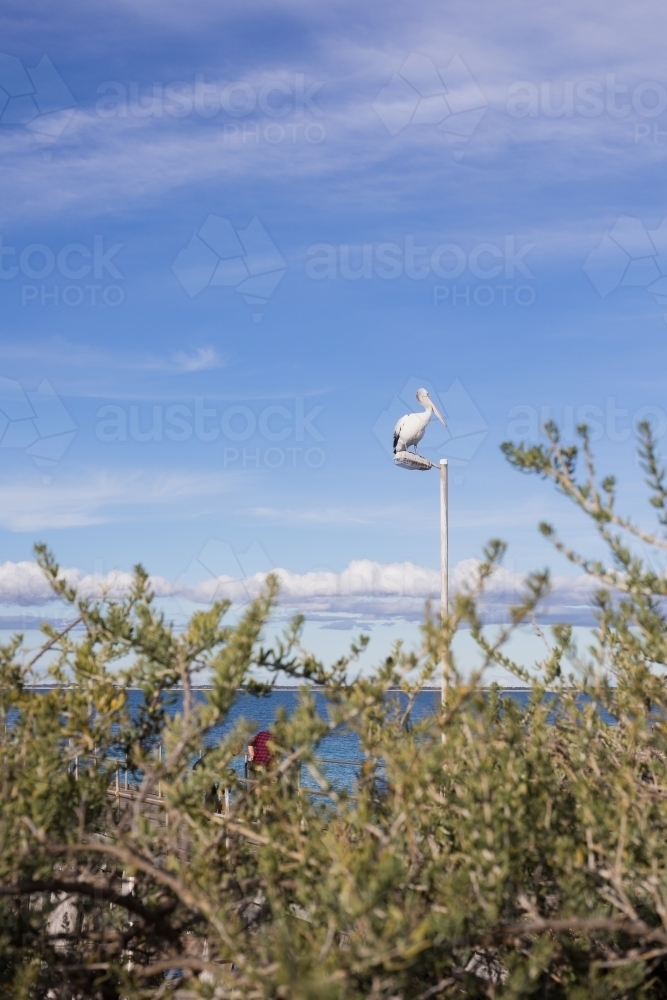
x: 123, y: 787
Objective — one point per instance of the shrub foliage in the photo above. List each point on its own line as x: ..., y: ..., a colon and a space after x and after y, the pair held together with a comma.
x: 490, y: 849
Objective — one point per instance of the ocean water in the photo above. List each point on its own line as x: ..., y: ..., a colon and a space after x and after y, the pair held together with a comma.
x: 338, y: 754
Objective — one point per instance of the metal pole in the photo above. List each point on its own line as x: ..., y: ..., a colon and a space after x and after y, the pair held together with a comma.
x: 444, y: 561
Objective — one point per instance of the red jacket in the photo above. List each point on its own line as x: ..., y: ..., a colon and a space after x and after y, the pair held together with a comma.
x: 260, y: 743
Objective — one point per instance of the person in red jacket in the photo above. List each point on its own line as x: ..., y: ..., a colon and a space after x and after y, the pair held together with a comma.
x: 259, y: 755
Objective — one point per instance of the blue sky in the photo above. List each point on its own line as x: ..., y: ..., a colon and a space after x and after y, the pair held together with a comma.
x: 236, y: 239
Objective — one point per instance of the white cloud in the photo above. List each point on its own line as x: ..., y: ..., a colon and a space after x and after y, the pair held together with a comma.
x: 202, y: 359
x: 365, y: 591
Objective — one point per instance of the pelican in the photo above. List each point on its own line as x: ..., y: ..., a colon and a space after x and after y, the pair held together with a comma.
x: 410, y: 429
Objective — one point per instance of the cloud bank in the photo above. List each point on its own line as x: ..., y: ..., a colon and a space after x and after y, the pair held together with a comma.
x: 364, y: 592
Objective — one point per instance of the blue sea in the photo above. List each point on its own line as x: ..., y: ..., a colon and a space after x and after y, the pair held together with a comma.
x: 338, y: 755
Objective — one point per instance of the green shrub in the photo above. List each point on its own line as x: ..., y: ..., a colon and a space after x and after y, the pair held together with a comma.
x: 489, y: 850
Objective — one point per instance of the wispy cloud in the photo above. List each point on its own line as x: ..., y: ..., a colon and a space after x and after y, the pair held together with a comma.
x: 200, y: 360
x: 62, y: 354
x: 107, y: 497
x: 134, y: 161
x: 313, y: 515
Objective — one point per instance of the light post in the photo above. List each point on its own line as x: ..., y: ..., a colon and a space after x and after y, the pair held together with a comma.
x: 409, y: 460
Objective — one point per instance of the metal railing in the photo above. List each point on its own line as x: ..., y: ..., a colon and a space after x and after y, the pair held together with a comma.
x: 318, y: 760
x: 122, y: 786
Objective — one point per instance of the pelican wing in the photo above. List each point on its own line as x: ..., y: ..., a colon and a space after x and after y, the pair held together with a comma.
x: 397, y: 432
x: 410, y: 429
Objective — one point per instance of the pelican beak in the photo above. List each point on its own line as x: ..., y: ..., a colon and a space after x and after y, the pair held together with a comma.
x: 437, y: 412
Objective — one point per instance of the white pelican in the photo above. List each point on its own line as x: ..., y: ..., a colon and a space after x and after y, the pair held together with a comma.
x: 410, y: 429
